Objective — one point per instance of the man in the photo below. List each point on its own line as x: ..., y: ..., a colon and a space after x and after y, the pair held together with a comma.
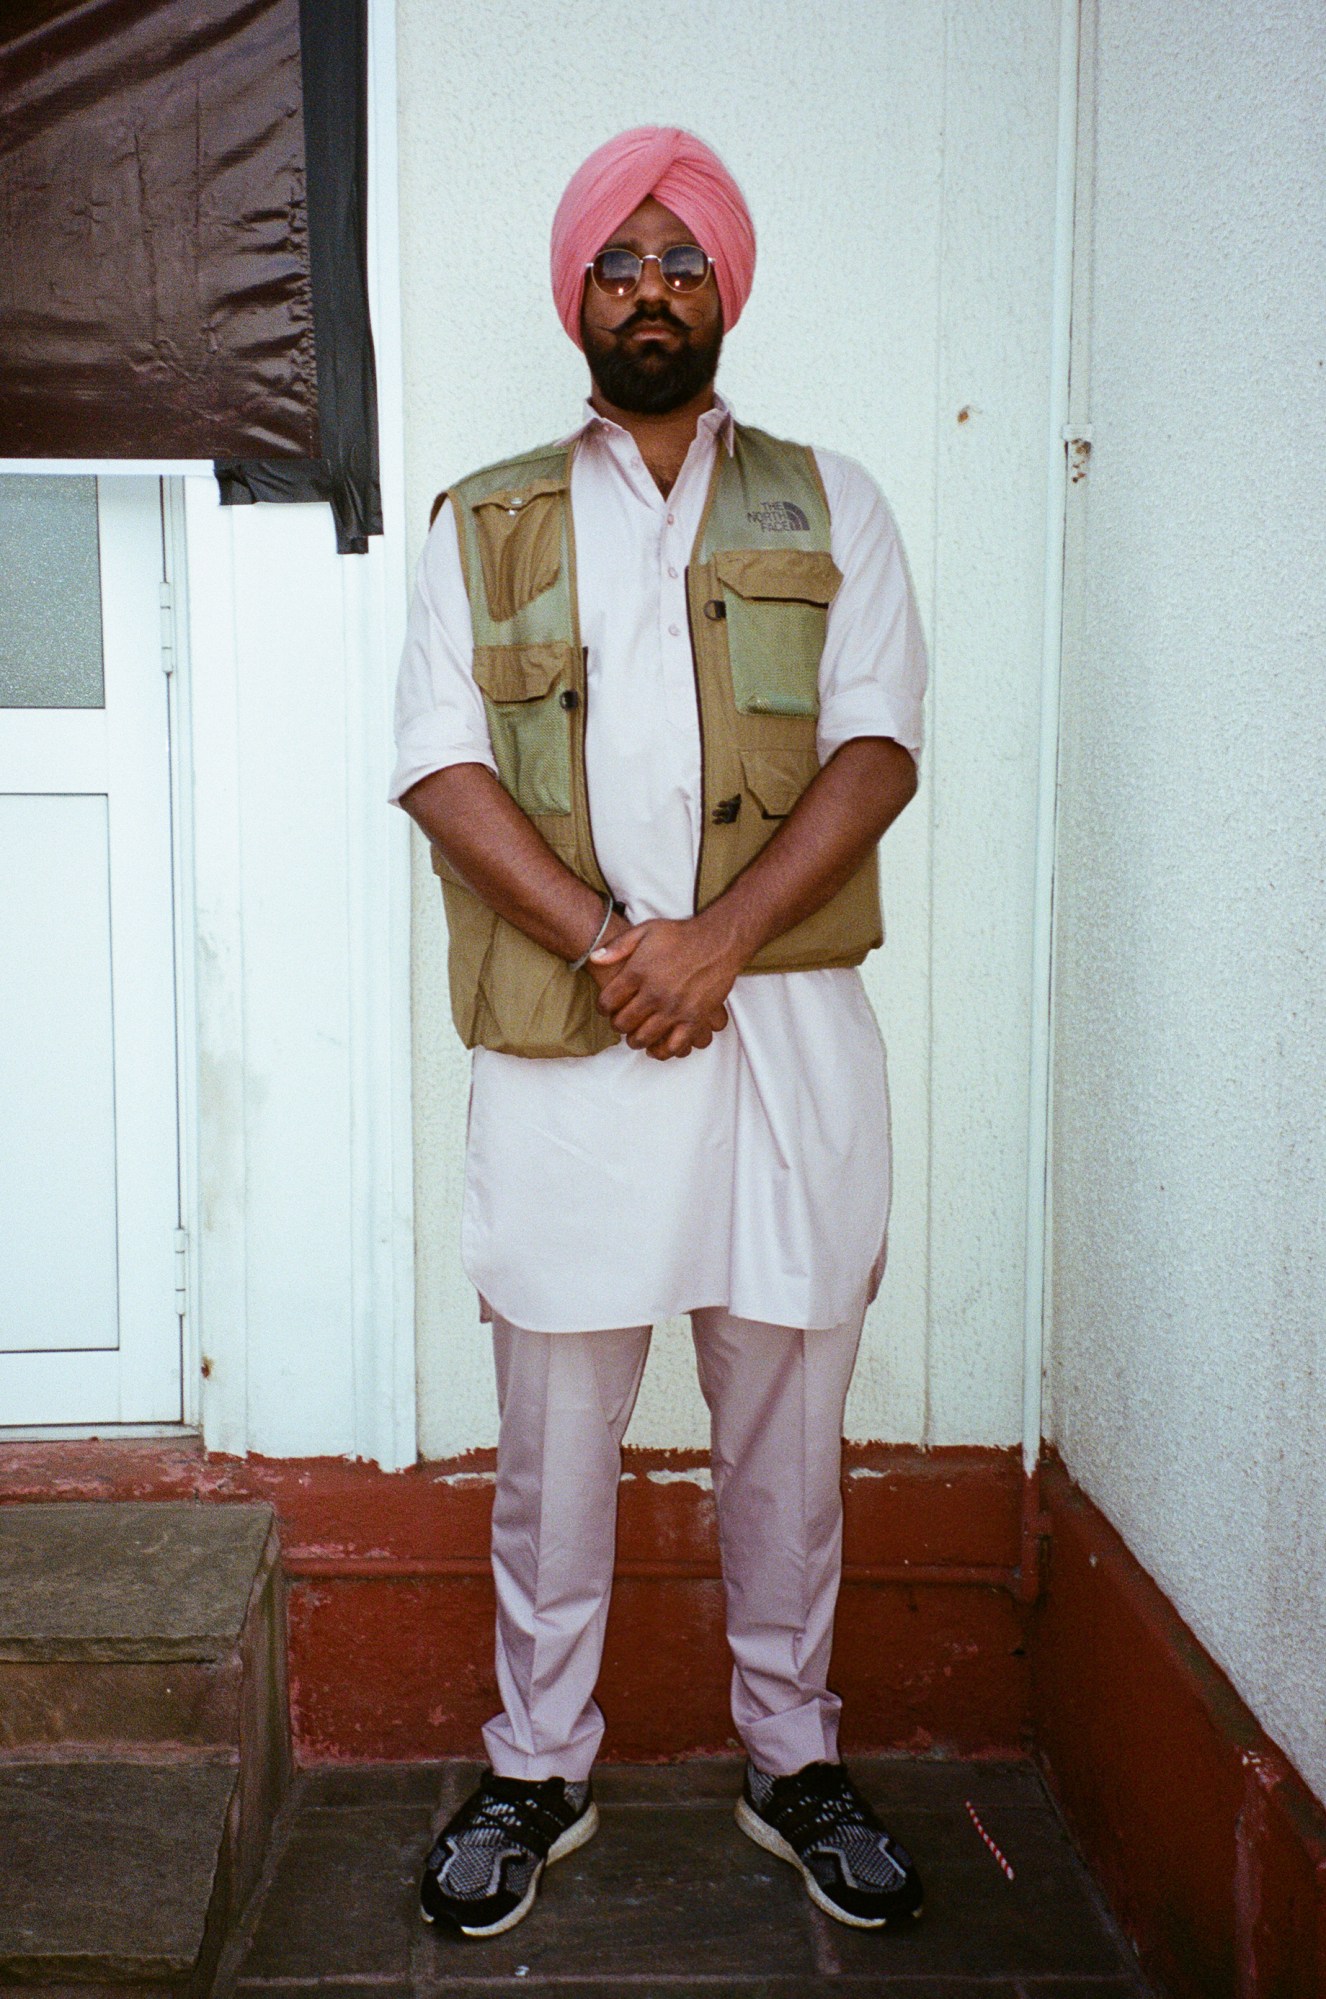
x: 659, y: 700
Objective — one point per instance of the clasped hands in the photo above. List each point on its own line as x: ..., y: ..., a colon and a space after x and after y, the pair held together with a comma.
x: 663, y: 983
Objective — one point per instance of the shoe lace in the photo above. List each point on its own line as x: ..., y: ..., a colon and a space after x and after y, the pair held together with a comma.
x: 514, y: 1812
x: 824, y: 1799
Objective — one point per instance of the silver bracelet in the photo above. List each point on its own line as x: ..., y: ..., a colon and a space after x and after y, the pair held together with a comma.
x: 585, y: 956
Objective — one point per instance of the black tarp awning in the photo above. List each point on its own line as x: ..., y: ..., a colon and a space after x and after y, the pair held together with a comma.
x: 182, y: 228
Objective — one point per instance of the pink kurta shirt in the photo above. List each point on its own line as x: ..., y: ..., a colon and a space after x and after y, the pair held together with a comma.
x: 613, y: 1189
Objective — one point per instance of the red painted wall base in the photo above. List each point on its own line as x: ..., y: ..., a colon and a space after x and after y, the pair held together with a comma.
x: 1209, y: 1845
x: 391, y: 1599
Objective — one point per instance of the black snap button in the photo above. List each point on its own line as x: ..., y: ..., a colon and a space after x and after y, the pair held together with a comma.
x: 569, y: 698
x: 715, y: 609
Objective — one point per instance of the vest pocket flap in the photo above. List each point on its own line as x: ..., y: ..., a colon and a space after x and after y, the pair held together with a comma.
x: 776, y: 778
x: 803, y: 574
x: 521, y: 673
x: 519, y: 532
x: 513, y: 499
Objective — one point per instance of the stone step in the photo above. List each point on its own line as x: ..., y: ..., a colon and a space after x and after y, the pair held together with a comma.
x: 144, y: 1736
x: 141, y: 1621
x: 116, y: 1875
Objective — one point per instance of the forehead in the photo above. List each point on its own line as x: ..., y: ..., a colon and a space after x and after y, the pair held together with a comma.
x: 651, y: 226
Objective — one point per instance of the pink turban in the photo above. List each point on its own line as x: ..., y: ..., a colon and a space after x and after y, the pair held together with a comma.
x: 686, y: 176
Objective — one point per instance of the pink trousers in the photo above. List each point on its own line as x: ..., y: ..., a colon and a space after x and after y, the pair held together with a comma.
x: 775, y: 1399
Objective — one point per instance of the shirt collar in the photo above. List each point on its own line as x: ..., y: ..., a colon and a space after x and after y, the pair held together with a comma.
x: 718, y: 421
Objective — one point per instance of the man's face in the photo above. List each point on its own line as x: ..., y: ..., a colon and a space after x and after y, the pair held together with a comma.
x: 655, y: 349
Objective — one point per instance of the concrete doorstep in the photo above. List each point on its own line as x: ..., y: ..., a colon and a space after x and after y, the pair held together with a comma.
x: 144, y: 1738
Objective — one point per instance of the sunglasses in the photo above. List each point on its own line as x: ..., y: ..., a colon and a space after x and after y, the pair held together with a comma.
x: 683, y: 268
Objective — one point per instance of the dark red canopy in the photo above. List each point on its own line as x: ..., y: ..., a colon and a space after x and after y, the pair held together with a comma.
x: 156, y: 298
x: 182, y: 195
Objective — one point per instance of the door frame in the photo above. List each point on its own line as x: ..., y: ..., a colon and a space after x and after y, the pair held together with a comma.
x: 157, y: 632
x: 175, y: 636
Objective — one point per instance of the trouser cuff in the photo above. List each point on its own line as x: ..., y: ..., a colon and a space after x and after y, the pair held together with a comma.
x: 574, y: 1761
x: 780, y: 1744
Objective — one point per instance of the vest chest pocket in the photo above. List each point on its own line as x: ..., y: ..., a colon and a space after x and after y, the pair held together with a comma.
x: 529, y: 720
x: 519, y: 532
x: 776, y: 603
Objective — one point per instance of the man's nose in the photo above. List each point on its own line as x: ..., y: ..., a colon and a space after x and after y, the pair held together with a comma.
x: 651, y: 287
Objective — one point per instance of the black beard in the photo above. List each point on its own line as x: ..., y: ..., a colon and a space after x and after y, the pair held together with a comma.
x: 652, y: 382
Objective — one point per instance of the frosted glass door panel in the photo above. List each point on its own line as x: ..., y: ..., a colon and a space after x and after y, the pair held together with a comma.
x: 50, y: 593
x: 58, y: 1285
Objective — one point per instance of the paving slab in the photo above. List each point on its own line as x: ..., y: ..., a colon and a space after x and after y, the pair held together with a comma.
x: 344, y: 1897
x: 375, y: 1786
x: 670, y: 1900
x: 939, y: 1783
x: 150, y: 1579
x: 109, y: 1869
x: 673, y: 1887
x: 977, y: 1923
x: 1084, y: 1988
x: 319, y: 1988
x: 757, y: 1985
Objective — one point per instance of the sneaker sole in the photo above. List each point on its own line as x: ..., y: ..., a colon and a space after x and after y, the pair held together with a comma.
x: 575, y: 1835
x: 773, y: 1842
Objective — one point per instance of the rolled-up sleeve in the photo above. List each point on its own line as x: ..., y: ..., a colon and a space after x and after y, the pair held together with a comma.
x: 440, y: 717
x: 873, y: 670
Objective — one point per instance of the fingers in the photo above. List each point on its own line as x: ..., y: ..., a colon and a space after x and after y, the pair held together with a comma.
x: 654, y: 1027
x: 620, y: 947
x: 662, y: 1037
x: 615, y: 994
x: 682, y: 1039
x: 629, y: 1005
x: 675, y: 1046
x: 653, y: 1020
x: 632, y: 1013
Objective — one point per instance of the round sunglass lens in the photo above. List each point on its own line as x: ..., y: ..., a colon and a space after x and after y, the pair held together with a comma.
x: 685, y: 267
x: 616, y: 271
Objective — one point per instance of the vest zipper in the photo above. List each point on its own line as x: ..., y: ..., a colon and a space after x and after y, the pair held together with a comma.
x: 578, y: 763
x: 699, y: 712
x: 583, y: 723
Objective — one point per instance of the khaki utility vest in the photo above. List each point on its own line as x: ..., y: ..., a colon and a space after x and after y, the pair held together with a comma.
x: 759, y: 584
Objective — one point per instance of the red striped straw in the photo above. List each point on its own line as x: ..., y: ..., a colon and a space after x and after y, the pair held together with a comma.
x: 989, y: 1842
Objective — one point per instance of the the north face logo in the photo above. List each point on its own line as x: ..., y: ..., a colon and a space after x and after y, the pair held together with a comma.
x: 778, y: 517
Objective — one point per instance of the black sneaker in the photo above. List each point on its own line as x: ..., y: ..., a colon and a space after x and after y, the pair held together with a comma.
x: 817, y: 1819
x: 482, y: 1872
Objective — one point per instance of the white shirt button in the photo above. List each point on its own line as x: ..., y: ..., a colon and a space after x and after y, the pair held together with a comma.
x: 675, y: 630
x: 671, y: 570
x: 672, y: 520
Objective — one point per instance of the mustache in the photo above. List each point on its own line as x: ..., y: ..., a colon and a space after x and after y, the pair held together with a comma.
x: 650, y: 316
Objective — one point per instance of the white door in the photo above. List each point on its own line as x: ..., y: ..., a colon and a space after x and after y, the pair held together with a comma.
x: 90, y: 1331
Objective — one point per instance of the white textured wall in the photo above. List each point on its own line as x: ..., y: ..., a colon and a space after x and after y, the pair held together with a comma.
x: 899, y: 163
x: 1189, y: 1342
